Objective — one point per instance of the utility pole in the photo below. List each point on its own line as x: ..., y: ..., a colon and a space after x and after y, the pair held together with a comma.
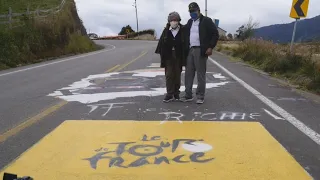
x: 135, y: 5
x: 206, y: 8
x: 293, y: 34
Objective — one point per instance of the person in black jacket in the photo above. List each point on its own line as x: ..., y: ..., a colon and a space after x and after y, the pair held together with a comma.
x: 171, y: 48
x: 201, y: 37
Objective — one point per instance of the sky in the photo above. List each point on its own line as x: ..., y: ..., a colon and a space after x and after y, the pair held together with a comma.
x: 107, y: 17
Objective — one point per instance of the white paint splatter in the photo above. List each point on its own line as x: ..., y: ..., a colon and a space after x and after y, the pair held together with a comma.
x: 97, y: 76
x: 219, y: 76
x: 87, y: 88
x: 56, y: 93
x: 88, y: 83
x: 149, y: 74
x: 128, y: 87
x: 93, y: 98
x: 85, y: 83
x: 197, y: 147
x: 154, y: 65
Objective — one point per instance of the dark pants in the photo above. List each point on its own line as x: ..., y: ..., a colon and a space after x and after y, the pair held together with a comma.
x: 173, y: 71
x: 196, y: 63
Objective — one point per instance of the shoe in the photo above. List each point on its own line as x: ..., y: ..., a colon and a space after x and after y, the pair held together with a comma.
x: 177, y: 97
x: 168, y: 98
x: 200, y: 101
x: 186, y: 99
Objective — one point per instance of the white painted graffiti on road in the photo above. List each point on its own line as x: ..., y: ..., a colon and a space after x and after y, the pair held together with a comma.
x: 272, y: 115
x: 105, y: 109
x: 210, y: 116
x: 172, y: 115
x: 145, y: 82
x: 108, y: 107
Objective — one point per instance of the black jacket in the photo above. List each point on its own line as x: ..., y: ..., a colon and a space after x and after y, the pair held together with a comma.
x: 163, y: 47
x: 208, y: 32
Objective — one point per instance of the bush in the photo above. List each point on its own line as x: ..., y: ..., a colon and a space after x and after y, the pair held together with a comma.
x: 79, y: 44
x: 223, y: 38
x: 219, y: 47
x: 274, y: 58
x: 144, y: 32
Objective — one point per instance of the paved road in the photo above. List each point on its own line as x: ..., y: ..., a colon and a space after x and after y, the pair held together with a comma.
x: 71, y: 117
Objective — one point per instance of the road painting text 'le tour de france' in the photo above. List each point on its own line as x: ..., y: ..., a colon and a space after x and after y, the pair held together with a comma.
x: 150, y: 152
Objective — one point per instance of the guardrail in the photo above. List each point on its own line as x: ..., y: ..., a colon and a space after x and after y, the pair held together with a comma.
x: 37, y: 13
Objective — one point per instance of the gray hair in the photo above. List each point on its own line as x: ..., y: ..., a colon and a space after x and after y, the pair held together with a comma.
x: 174, y: 15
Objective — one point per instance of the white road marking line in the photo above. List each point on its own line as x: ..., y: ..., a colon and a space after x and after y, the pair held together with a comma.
x: 56, y: 62
x: 287, y: 116
x: 272, y: 115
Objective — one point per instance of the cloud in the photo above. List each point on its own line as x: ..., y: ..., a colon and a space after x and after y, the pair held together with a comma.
x: 107, y: 17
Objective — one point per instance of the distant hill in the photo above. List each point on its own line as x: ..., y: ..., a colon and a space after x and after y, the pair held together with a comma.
x: 307, y: 30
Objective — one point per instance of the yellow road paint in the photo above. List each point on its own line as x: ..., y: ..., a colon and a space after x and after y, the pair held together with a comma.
x: 111, y: 69
x: 132, y: 61
x: 139, y: 150
x: 31, y: 121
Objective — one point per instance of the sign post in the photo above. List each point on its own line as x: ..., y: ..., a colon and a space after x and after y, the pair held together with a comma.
x: 299, y: 10
x: 206, y: 5
x: 135, y: 5
x: 127, y: 31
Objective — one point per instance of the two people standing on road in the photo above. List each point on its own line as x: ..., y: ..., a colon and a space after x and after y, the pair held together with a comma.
x: 198, y: 38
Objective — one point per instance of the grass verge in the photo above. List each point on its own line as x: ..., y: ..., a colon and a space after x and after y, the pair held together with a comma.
x: 302, y: 67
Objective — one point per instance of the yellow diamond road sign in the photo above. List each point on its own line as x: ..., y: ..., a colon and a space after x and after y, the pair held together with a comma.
x: 148, y: 150
x: 299, y: 8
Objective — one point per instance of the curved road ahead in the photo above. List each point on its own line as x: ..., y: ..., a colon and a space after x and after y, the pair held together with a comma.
x: 100, y: 115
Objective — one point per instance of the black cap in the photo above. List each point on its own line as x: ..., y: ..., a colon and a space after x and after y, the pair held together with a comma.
x: 193, y: 6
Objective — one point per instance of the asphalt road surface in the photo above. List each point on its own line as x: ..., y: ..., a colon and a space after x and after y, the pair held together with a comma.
x: 83, y: 117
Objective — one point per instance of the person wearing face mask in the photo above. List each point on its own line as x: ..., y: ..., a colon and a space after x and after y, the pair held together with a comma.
x: 171, y: 47
x: 201, y: 36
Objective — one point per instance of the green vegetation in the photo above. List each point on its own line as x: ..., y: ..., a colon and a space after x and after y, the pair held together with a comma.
x: 20, y: 6
x: 42, y: 38
x: 301, y: 67
x: 125, y: 30
x: 140, y: 33
x: 247, y: 30
x: 132, y: 34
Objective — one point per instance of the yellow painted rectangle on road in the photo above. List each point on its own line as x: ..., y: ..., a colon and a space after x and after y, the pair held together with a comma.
x: 141, y: 150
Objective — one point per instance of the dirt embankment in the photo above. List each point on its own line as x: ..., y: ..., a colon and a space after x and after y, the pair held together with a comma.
x: 42, y: 38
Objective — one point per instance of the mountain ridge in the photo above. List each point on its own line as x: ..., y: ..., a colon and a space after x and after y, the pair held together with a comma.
x: 307, y: 30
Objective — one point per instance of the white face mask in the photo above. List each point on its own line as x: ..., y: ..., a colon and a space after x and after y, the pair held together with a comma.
x: 174, y: 24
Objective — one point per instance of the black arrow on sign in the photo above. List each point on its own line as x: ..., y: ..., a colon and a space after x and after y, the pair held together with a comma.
x: 298, y: 9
